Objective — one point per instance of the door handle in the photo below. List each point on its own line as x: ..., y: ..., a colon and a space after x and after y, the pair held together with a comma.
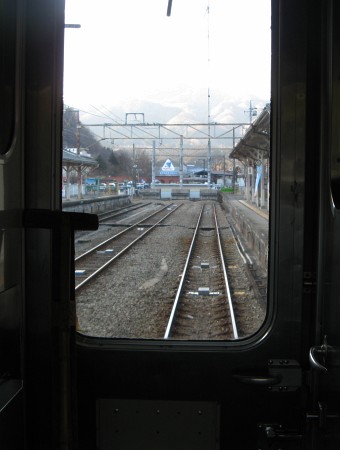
x: 327, y: 353
x: 282, y: 375
x: 258, y: 380
x: 318, y: 350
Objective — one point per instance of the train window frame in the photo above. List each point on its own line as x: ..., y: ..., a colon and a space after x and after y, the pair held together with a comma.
x: 134, y: 343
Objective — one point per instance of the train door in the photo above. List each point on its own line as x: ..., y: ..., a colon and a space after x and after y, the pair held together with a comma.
x: 324, y: 417
x: 11, y: 231
x: 267, y: 389
x: 262, y: 392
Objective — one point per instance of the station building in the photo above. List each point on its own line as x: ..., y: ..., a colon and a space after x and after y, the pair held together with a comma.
x: 77, y: 165
x: 253, y: 150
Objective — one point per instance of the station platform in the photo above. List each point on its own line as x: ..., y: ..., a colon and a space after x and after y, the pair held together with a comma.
x: 251, y: 224
x: 95, y: 205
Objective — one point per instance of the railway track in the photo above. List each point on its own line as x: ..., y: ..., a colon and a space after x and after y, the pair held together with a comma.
x: 109, y: 215
x: 203, y: 308
x: 135, y: 298
x: 95, y: 260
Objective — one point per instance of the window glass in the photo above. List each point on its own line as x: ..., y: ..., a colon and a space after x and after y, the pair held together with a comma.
x: 167, y: 115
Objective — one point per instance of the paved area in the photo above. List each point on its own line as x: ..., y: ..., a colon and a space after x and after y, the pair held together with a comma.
x: 252, y: 223
x: 258, y: 217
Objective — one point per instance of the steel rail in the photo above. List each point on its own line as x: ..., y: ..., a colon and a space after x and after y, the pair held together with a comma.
x: 226, y: 282
x: 111, y: 260
x: 112, y: 238
x: 119, y: 212
x: 180, y: 287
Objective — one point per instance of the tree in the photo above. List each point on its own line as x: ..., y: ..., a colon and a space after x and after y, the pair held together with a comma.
x: 143, y: 162
x: 75, y: 134
x: 113, y: 160
x: 102, y: 165
x: 117, y: 163
x: 125, y: 163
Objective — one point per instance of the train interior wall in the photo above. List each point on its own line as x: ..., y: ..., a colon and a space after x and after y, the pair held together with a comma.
x: 59, y: 390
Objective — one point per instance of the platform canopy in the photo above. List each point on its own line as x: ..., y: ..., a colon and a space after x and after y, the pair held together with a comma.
x: 73, y: 161
x: 255, y: 144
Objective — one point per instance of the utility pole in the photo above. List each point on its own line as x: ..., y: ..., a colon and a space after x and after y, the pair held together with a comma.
x: 224, y: 171
x: 209, y: 161
x: 153, y: 168
x: 181, y: 162
x: 252, y: 112
x: 209, y: 117
x: 234, y: 162
x: 135, y: 167
x: 79, y: 177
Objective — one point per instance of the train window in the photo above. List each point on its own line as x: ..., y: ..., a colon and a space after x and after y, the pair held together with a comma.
x: 166, y: 137
x: 7, y: 73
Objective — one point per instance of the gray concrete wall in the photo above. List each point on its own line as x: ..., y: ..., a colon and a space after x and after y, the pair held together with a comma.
x: 255, y: 238
x: 96, y: 205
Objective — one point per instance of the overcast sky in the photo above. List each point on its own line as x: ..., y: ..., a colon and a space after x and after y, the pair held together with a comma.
x: 129, y: 50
